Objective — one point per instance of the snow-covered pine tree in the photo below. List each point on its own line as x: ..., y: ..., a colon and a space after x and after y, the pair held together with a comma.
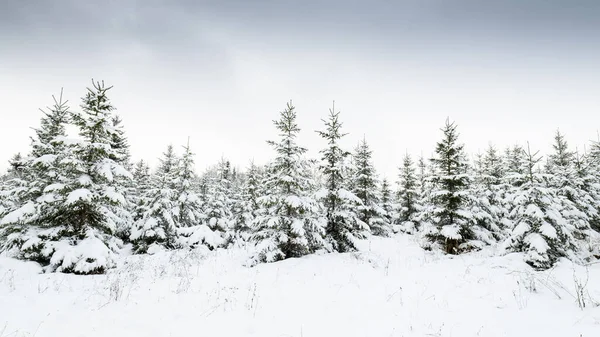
x: 539, y: 229
x: 344, y: 227
x: 450, y: 222
x: 139, y: 195
x: 217, y: 207
x: 576, y: 203
x: 287, y: 224
x: 192, y: 229
x: 27, y: 178
x: 424, y: 188
x: 513, y: 165
x: 365, y: 187
x: 158, y: 223
x: 592, y: 161
x: 387, y: 200
x: 79, y: 215
x: 408, y: 195
x: 188, y: 203
x: 246, y: 205
x: 588, y: 186
x: 15, y: 185
x: 486, y: 197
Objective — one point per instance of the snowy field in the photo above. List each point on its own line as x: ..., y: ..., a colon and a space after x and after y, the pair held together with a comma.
x: 391, y: 288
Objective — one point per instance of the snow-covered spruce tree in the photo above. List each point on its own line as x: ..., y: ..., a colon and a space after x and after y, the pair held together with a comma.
x: 576, y: 202
x: 139, y: 195
x: 486, y: 197
x: 589, y: 189
x: 79, y: 214
x: 246, y: 204
x: 408, y: 196
x: 27, y: 178
x: 343, y: 227
x: 217, y: 207
x: 287, y: 224
x: 365, y: 187
x: 15, y: 185
x: 158, y: 222
x: 192, y: 229
x: 592, y: 162
x: 513, y: 165
x: 188, y: 203
x: 539, y: 229
x: 449, y: 223
x: 424, y: 188
x: 577, y: 205
x: 387, y: 200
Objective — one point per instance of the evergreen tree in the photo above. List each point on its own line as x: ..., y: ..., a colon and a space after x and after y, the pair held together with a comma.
x: 424, y: 188
x: 190, y: 219
x: 189, y: 204
x: 287, y: 224
x: 592, y: 163
x: 27, y: 178
x: 450, y: 218
x: 387, y: 200
x: 408, y: 195
x: 343, y: 225
x: 158, y: 223
x: 77, y: 217
x: 588, y: 187
x: 539, y: 226
x: 486, y: 198
x: 139, y: 195
x: 513, y: 165
x: 365, y: 187
x: 246, y: 205
x: 15, y: 185
x: 217, y: 207
x: 576, y: 202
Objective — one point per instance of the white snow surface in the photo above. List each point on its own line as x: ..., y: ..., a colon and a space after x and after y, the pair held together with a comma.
x: 390, y: 288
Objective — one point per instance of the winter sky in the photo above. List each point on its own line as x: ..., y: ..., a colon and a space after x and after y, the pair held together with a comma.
x: 219, y: 71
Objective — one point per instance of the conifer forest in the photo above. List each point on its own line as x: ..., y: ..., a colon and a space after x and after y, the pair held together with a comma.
x: 74, y: 202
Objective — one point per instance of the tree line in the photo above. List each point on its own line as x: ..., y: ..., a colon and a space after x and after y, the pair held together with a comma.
x: 73, y: 204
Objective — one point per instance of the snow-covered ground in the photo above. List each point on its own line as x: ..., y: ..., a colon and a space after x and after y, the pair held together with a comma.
x: 391, y: 288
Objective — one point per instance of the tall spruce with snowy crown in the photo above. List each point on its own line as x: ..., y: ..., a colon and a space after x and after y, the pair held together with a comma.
x: 450, y: 220
x: 344, y: 227
x: 365, y: 187
x: 84, y: 209
x: 287, y: 224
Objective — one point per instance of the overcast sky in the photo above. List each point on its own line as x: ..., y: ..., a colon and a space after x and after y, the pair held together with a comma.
x: 220, y: 71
